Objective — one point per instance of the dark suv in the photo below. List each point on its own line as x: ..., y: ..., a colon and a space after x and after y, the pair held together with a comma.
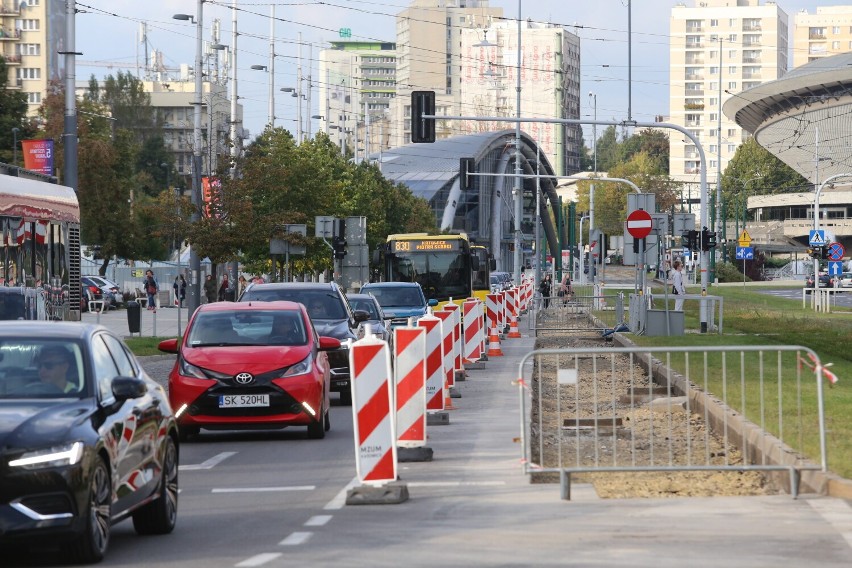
x: 331, y: 315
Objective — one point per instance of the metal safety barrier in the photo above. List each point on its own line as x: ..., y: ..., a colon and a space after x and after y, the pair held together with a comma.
x: 578, y: 313
x: 639, y: 409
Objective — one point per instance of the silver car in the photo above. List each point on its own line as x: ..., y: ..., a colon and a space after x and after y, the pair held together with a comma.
x: 378, y: 321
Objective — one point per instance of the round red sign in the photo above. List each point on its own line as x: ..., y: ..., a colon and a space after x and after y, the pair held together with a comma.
x: 639, y: 224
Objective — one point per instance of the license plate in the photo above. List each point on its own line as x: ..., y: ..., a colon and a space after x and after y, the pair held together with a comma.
x: 243, y: 400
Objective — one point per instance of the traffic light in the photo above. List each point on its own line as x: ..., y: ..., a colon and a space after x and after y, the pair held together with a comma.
x: 711, y: 240
x: 689, y: 239
x: 467, y: 166
x: 422, y: 129
x: 339, y: 246
x: 824, y: 253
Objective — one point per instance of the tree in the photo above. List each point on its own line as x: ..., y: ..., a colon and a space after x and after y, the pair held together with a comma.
x: 607, y: 149
x: 653, y: 143
x: 755, y: 171
x: 13, y: 114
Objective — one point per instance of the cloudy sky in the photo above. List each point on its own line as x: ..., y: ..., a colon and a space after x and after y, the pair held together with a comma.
x: 107, y: 32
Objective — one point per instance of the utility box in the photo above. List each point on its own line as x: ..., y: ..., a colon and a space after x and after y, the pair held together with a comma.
x: 655, y: 322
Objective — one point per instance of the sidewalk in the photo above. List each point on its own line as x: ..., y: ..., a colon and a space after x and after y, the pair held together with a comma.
x: 162, y: 323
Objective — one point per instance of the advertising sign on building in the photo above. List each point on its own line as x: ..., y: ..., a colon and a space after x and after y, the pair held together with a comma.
x: 38, y: 155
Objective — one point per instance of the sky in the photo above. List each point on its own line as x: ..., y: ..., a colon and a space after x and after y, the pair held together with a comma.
x: 107, y: 32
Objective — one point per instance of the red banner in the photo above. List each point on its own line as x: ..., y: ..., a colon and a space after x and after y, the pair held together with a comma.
x: 38, y: 155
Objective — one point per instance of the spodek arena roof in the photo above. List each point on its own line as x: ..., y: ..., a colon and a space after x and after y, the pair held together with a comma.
x: 804, y: 118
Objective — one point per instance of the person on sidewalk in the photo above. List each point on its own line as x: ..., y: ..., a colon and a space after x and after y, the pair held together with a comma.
x: 678, y: 287
x: 180, y: 290
x: 224, y: 288
x: 210, y: 289
x: 151, y: 287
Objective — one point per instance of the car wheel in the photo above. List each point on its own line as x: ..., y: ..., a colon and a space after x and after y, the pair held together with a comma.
x: 159, y: 516
x: 346, y: 397
x: 316, y: 430
x: 187, y: 432
x: 94, y: 541
x: 327, y: 421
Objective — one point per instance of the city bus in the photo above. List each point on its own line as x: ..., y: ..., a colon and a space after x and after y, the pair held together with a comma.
x: 40, y: 249
x: 445, y: 266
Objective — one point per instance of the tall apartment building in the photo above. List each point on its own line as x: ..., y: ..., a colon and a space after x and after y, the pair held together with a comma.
x: 718, y: 48
x: 357, y: 84
x: 429, y: 56
x: 550, y: 85
x: 828, y: 32
x: 31, y: 34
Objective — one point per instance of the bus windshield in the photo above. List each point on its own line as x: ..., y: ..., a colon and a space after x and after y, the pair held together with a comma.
x: 442, y: 275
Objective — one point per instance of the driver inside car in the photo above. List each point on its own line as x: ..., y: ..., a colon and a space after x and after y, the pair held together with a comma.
x: 56, y: 367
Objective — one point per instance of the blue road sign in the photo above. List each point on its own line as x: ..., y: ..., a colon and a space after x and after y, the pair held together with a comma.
x: 816, y: 238
x: 745, y: 253
x: 835, y: 268
x: 836, y: 251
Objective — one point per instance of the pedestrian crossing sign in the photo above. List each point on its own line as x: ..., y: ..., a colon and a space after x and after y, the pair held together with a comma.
x: 816, y: 238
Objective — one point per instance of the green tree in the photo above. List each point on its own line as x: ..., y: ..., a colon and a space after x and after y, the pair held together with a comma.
x: 607, y: 149
x: 13, y: 114
x: 755, y: 171
x: 653, y: 143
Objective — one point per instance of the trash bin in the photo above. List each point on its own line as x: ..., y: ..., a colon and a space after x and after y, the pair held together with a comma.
x: 134, y: 317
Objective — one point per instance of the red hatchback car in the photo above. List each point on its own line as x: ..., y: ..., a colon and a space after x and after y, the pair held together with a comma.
x: 252, y: 365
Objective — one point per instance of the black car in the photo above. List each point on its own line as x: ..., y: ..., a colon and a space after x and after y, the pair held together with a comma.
x: 377, y: 321
x: 87, y: 439
x: 331, y: 315
x: 825, y: 281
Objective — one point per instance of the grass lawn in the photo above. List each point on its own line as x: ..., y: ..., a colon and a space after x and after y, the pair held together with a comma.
x: 754, y: 318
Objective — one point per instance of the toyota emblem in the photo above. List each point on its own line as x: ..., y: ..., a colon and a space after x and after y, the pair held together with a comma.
x: 244, y: 378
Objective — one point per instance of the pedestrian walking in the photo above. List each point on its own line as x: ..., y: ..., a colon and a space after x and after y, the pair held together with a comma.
x: 544, y: 289
x: 565, y: 290
x: 241, y: 286
x: 180, y: 290
x: 151, y: 287
x: 223, y: 289
x: 678, y: 287
x: 210, y: 289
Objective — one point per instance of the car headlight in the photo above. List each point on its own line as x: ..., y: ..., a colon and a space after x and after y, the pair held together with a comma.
x: 56, y: 456
x: 189, y: 370
x: 299, y: 368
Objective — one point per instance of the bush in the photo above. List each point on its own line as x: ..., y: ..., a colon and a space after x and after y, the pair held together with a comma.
x: 727, y: 272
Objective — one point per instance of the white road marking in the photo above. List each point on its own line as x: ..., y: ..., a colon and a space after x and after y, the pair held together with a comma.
x: 260, y: 559
x: 837, y: 513
x: 318, y: 521
x: 296, y: 538
x: 263, y: 489
x: 340, y: 499
x: 455, y: 483
x: 208, y: 464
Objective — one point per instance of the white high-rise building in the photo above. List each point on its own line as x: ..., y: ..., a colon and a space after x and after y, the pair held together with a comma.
x: 826, y: 33
x: 718, y: 49
x: 550, y: 84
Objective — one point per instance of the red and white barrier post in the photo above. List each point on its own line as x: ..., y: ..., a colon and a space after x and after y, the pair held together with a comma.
x: 373, y: 418
x: 492, y: 308
x: 472, y: 331
x: 447, y: 334
x: 458, y: 345
x: 435, y: 375
x: 409, y: 346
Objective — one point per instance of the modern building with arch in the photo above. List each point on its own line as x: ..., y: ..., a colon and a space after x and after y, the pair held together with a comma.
x: 805, y: 120
x: 485, y: 212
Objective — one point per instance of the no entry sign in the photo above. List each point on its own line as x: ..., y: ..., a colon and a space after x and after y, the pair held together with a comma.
x: 639, y: 224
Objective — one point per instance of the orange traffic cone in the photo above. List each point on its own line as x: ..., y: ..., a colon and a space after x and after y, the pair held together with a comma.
x: 513, y: 328
x: 448, y: 401
x: 494, y: 344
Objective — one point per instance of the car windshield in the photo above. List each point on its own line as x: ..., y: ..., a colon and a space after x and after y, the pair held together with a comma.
x: 398, y: 297
x: 321, y: 304
x: 41, y: 368
x: 242, y: 327
x: 366, y: 305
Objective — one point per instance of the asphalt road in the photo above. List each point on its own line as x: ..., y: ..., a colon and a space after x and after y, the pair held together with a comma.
x: 276, y: 499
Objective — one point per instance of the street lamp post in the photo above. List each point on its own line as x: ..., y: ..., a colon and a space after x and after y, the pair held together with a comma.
x: 593, y: 98
x: 194, y: 296
x: 271, y: 112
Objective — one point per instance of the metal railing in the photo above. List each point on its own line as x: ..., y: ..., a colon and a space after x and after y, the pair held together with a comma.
x: 640, y: 409
x: 576, y: 312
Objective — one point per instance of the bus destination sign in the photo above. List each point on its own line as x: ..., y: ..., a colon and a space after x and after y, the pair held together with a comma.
x: 425, y: 245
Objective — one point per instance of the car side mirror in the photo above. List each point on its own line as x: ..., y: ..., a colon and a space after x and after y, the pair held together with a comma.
x: 124, y: 388
x: 360, y: 315
x: 432, y: 302
x: 328, y: 343
x: 168, y: 345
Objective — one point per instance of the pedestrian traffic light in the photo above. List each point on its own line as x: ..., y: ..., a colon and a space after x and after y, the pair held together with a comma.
x: 466, y: 167
x: 339, y: 246
x: 422, y: 129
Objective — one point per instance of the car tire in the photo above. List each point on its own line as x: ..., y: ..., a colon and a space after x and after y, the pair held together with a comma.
x: 160, y: 515
x: 317, y: 429
x: 327, y: 420
x: 94, y: 541
x: 187, y: 432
